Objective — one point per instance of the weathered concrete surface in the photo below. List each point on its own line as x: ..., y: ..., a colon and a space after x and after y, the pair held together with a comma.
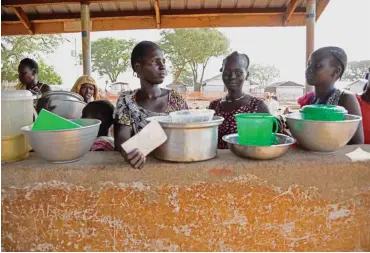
x: 302, y: 201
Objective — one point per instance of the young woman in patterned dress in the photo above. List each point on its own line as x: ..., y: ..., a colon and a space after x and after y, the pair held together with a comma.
x: 325, y: 66
x: 133, y: 108
x: 234, y: 74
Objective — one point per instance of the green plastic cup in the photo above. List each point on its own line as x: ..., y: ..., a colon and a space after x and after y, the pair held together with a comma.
x: 323, y: 112
x: 256, y: 129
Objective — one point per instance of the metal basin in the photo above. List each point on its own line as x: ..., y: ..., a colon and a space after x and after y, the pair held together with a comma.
x: 281, y: 146
x: 189, y: 142
x: 66, y: 104
x: 64, y: 146
x: 322, y: 136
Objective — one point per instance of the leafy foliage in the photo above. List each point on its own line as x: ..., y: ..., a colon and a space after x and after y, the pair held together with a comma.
x: 111, y: 56
x: 15, y: 48
x: 190, y: 50
x: 356, y: 70
x: 263, y: 74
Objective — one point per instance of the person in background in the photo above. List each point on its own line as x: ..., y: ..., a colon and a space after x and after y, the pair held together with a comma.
x: 103, y: 111
x: 234, y: 73
x: 364, y: 100
x: 28, y: 70
x: 134, y: 107
x: 272, y: 104
x: 87, y: 88
x: 367, y: 74
x: 324, y: 67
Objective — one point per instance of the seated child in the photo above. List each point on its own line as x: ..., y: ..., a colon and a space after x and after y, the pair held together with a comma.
x: 103, y: 111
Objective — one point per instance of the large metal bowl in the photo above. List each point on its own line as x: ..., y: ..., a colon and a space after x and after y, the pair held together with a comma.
x: 64, y: 146
x: 322, y: 136
x: 280, y: 147
x: 188, y: 142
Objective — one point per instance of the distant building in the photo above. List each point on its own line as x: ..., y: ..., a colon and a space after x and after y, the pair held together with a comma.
x: 117, y: 88
x: 215, y: 84
x: 286, y: 90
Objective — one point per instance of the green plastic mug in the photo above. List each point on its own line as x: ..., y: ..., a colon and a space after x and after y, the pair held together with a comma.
x: 256, y: 129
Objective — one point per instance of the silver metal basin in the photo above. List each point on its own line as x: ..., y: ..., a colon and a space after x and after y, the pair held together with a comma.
x: 322, y: 136
x: 66, y: 104
x: 189, y: 142
x: 64, y: 146
x: 280, y: 147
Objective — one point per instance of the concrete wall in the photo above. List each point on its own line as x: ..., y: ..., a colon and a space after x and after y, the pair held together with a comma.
x: 302, y: 202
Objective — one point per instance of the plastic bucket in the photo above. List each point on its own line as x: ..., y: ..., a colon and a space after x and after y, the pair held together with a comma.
x: 14, y: 148
x: 256, y: 129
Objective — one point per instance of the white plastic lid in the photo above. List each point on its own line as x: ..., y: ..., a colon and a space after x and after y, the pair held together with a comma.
x: 17, y: 95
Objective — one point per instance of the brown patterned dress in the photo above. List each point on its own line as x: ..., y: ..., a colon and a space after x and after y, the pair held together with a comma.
x: 229, y: 124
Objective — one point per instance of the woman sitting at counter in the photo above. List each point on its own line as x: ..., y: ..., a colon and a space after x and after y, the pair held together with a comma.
x: 133, y: 108
x: 234, y: 74
x: 324, y: 67
x: 87, y: 88
x: 28, y: 70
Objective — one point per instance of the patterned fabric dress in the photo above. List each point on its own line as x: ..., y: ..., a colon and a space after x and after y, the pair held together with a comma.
x: 129, y: 113
x: 333, y: 99
x: 229, y: 124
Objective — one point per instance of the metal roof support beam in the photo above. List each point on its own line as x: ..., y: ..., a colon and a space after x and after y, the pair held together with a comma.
x: 289, y: 11
x: 157, y: 14
x: 23, y: 18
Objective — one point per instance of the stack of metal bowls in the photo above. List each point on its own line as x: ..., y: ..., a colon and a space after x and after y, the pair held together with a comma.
x: 322, y: 136
x: 66, y: 104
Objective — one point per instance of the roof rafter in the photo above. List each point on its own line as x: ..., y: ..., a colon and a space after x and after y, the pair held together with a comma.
x: 289, y: 11
x: 157, y: 14
x: 321, y: 5
x: 23, y: 18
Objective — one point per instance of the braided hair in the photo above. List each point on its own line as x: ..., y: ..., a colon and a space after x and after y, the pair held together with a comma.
x: 140, y: 51
x: 235, y: 54
x: 338, y: 56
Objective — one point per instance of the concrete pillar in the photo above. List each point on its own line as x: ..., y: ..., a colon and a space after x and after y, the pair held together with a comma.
x: 86, y: 45
x: 310, y: 32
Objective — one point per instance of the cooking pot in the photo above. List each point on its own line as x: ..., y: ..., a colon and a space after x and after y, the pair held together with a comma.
x: 188, y: 142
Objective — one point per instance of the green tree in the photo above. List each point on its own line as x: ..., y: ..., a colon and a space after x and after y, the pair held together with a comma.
x: 48, y: 75
x: 111, y: 56
x: 263, y: 74
x: 356, y: 70
x: 15, y: 48
x: 191, y: 50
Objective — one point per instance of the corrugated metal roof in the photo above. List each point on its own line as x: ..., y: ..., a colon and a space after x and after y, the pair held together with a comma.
x: 54, y: 16
x: 141, y: 5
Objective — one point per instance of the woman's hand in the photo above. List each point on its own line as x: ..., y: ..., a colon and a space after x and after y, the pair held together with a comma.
x: 136, y: 159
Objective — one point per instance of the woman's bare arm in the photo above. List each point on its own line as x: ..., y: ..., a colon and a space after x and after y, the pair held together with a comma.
x: 350, y: 102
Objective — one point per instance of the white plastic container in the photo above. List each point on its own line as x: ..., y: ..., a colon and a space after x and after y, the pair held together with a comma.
x: 16, y: 112
x: 192, y: 116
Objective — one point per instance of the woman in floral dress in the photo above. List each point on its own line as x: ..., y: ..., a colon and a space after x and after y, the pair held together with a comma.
x: 133, y: 108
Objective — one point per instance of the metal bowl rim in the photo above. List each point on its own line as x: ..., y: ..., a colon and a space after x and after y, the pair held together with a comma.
x: 60, y: 92
x: 290, y: 139
x: 217, y: 120
x: 28, y: 128
x: 356, y: 119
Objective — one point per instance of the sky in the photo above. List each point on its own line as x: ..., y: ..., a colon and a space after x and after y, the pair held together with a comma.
x: 344, y: 23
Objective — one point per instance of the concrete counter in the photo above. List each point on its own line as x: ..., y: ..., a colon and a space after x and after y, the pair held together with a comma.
x: 302, y: 201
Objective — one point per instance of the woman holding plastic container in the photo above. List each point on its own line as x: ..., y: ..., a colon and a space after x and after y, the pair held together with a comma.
x: 133, y: 108
x: 234, y: 74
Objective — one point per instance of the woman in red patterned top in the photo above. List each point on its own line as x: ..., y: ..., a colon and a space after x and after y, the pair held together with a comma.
x: 364, y: 100
x: 234, y: 74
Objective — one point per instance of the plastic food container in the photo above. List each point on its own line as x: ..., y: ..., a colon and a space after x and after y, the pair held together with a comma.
x: 192, y: 116
x: 323, y: 112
